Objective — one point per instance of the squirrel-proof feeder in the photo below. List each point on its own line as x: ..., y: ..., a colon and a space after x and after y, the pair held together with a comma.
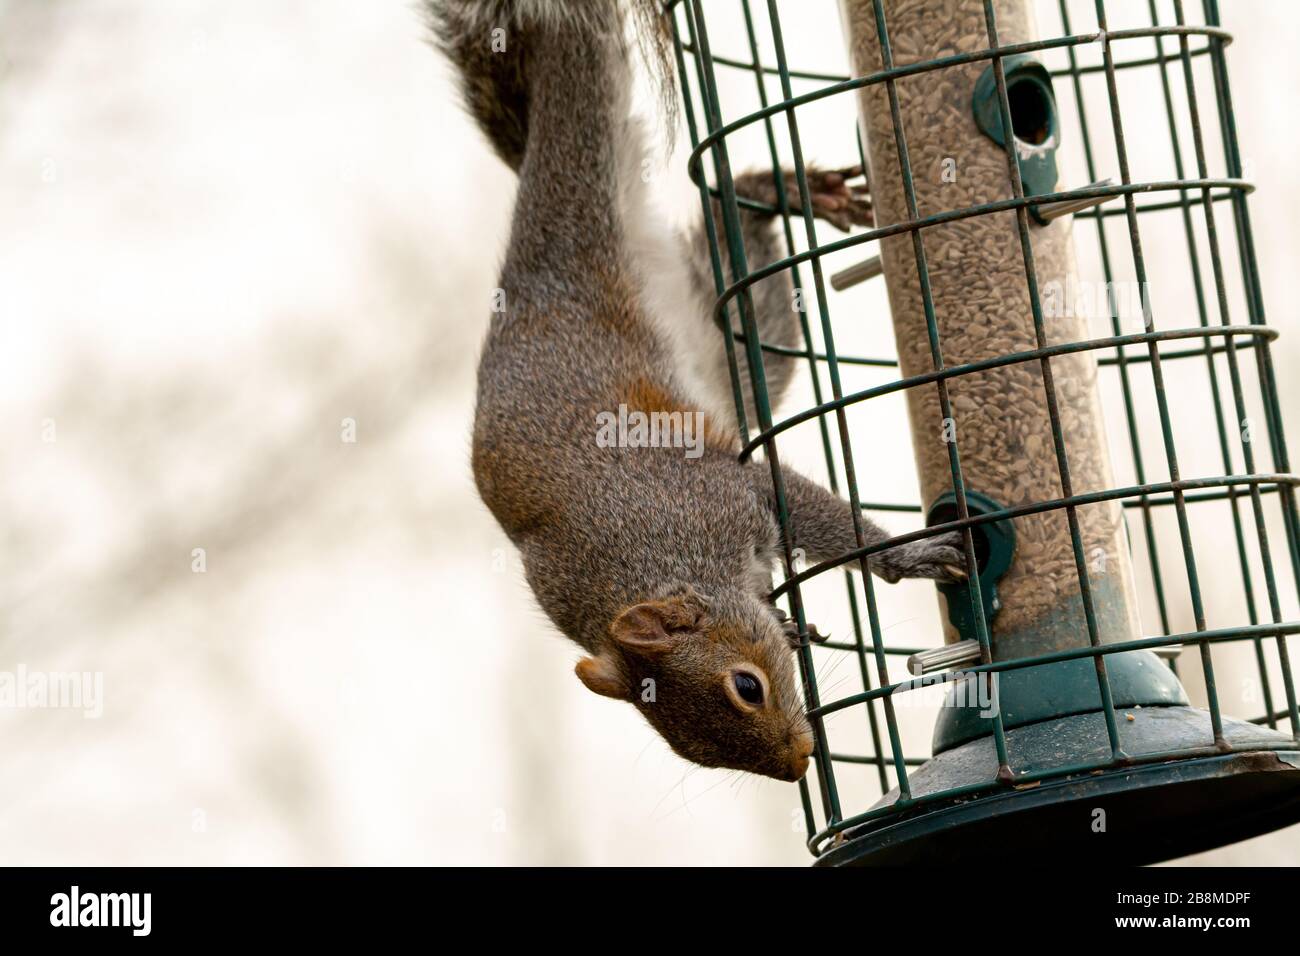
x: 1066, y: 717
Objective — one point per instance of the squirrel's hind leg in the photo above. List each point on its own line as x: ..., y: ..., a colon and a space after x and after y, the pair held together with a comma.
x: 776, y: 310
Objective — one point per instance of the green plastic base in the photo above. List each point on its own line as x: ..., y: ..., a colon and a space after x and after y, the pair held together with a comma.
x: 1148, y: 811
x: 1034, y: 694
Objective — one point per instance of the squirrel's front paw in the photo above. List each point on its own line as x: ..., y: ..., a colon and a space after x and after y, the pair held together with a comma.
x: 941, y: 558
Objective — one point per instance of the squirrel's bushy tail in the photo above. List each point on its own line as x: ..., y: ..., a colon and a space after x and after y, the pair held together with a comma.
x: 487, y: 42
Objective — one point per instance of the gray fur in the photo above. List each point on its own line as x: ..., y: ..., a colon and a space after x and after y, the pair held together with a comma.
x: 644, y: 557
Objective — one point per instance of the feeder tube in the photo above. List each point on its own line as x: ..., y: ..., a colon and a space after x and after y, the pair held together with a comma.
x: 1000, y: 424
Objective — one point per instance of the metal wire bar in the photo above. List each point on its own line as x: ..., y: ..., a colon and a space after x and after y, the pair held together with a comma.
x: 936, y: 358
x: 1198, y: 286
x: 1249, y: 268
x: 893, y: 363
x: 1247, y: 451
x: 1255, y: 309
x: 841, y: 77
x: 778, y: 177
x: 1082, y: 214
x: 1211, y: 368
x: 1153, y: 501
x: 1128, y: 190
x: 1157, y: 377
x: 894, y: 73
x: 711, y: 231
x: 1202, y: 638
x: 1049, y: 390
x: 1121, y: 359
x: 846, y: 448
x: 998, y: 361
x: 1092, y: 497
x: 719, y: 281
x: 758, y: 383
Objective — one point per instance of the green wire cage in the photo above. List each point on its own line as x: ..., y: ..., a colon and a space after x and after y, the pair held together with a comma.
x: 1065, y: 726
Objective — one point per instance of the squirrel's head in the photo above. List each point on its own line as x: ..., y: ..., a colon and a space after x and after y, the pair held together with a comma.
x: 715, y: 676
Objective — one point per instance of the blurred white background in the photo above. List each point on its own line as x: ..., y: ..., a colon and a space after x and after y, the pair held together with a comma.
x: 224, y: 229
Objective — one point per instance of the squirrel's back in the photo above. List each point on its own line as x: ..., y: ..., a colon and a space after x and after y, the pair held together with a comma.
x: 550, y: 85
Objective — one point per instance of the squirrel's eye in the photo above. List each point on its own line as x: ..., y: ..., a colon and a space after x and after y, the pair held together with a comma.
x: 749, y: 689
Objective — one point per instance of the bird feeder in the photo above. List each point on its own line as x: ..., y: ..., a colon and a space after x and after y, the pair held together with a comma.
x: 1066, y: 717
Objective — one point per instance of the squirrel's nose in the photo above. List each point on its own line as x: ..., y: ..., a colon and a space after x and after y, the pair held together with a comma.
x: 801, y: 751
x: 798, y: 767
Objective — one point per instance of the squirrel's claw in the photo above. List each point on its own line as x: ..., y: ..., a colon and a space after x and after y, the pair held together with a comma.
x: 833, y: 200
x: 829, y: 193
x: 956, y: 572
x: 941, y: 558
x: 791, y: 628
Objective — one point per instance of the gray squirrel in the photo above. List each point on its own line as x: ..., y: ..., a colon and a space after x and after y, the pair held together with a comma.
x: 657, y: 563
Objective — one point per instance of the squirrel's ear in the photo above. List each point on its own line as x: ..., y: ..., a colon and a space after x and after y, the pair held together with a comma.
x: 653, y: 627
x: 603, y: 676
